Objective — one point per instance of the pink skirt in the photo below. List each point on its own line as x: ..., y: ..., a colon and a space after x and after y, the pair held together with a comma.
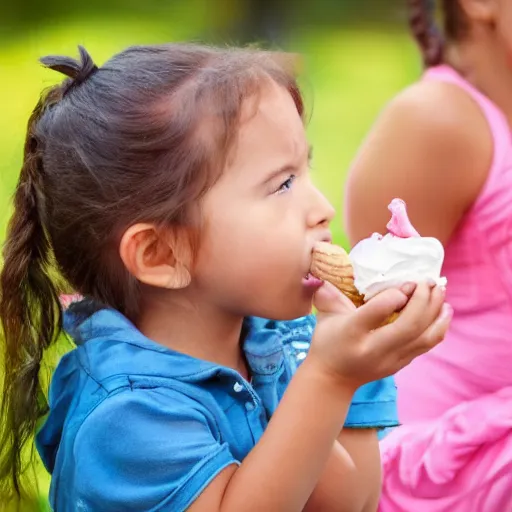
x: 461, y: 462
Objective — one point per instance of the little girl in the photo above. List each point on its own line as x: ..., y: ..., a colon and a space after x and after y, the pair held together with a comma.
x: 170, y: 187
x: 445, y: 146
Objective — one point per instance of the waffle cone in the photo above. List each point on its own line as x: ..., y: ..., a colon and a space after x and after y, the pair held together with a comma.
x: 332, y: 263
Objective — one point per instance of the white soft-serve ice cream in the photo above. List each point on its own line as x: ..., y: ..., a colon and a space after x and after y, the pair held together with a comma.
x: 401, y: 256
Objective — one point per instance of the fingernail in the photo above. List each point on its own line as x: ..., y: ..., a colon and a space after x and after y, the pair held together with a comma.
x: 431, y: 282
x: 408, y: 288
x: 442, y: 289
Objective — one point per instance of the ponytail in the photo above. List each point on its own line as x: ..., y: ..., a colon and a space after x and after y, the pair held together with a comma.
x: 29, y: 312
x: 425, y: 30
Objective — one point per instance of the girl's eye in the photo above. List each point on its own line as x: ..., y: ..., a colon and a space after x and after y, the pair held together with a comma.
x: 286, y: 185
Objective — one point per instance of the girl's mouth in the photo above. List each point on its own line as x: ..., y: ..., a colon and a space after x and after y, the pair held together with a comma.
x: 311, y: 282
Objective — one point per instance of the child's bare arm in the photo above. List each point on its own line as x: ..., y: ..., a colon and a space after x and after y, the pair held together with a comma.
x: 351, y: 480
x: 354, y: 491
x: 431, y: 147
x: 282, y: 470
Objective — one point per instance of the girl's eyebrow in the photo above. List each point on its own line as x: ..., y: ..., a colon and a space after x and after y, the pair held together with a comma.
x: 286, y: 169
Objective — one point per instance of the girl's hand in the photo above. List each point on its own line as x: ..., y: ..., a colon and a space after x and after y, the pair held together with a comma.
x: 350, y: 346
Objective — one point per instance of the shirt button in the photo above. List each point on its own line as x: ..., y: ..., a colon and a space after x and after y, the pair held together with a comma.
x: 238, y: 387
x: 301, y: 356
x: 249, y: 406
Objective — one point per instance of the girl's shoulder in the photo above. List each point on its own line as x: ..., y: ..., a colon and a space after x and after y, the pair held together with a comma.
x: 442, y: 107
x: 433, y: 146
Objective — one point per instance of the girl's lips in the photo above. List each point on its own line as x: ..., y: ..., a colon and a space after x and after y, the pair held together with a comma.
x: 311, y: 282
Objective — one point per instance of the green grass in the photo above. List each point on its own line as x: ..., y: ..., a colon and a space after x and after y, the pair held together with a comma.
x: 349, y: 75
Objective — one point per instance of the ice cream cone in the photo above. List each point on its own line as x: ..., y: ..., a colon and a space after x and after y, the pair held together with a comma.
x: 332, y: 263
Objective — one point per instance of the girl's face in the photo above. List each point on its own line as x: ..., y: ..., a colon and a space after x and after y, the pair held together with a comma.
x: 263, y: 217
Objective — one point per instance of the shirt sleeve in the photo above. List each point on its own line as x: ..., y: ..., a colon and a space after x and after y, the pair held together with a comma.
x: 147, y: 450
x: 373, y: 405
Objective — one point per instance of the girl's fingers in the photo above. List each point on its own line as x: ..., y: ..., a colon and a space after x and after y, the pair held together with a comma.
x: 406, y: 332
x: 375, y: 312
x: 435, y: 307
x: 409, y: 325
x: 328, y: 299
x: 437, y: 331
x: 434, y: 335
x: 421, y: 311
x: 412, y: 319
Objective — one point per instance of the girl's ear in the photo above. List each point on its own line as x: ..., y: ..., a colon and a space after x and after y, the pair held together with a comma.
x: 157, y: 257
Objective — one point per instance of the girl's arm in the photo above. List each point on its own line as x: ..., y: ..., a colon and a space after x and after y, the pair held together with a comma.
x: 355, y: 490
x: 363, y: 446
x: 431, y: 147
x: 351, y: 480
x: 280, y: 473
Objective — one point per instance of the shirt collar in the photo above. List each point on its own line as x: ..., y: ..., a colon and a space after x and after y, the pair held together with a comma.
x: 115, y: 346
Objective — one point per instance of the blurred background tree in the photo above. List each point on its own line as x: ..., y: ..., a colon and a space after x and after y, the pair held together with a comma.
x: 357, y: 54
x: 237, y: 20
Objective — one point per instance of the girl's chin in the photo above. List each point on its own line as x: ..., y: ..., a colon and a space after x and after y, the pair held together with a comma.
x: 292, y: 313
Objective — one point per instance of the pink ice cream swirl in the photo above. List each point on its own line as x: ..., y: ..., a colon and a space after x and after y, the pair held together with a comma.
x: 400, y: 225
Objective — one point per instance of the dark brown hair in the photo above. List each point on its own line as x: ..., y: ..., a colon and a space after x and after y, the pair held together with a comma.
x: 431, y: 40
x: 107, y: 148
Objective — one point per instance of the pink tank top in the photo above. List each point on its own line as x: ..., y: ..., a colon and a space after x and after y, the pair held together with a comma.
x: 476, y: 357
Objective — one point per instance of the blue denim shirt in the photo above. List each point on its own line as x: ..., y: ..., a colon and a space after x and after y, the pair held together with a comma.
x: 135, y: 426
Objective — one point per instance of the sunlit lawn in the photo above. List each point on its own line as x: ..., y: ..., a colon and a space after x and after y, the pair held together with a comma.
x: 349, y: 75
